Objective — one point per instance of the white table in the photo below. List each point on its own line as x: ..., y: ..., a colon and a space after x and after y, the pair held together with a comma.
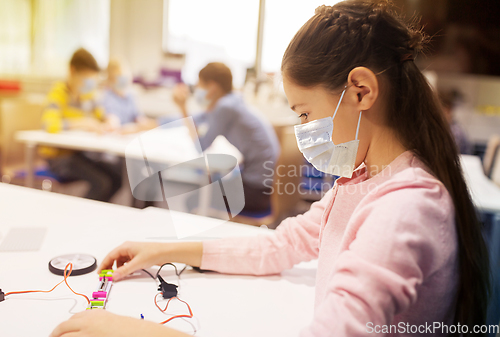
x: 485, y: 193
x: 223, y: 305
x: 167, y: 146
x: 486, y: 197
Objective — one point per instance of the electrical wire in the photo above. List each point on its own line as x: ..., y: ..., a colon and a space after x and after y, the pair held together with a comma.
x: 192, y: 325
x: 147, y: 272
x: 182, y: 270
x: 66, y: 275
x: 167, y: 264
x: 175, y: 267
x: 177, y: 272
x: 166, y: 307
x: 66, y: 281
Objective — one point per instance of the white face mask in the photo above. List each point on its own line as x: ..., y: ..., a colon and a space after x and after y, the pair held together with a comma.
x: 200, y: 96
x: 121, y: 83
x: 89, y: 84
x: 315, y: 143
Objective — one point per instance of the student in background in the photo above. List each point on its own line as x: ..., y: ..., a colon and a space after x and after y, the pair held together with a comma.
x: 119, y: 102
x: 447, y: 101
x: 71, y: 105
x: 226, y: 114
x: 397, y: 238
x: 121, y: 108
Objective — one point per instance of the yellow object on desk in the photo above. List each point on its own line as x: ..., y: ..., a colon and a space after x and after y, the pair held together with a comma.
x: 488, y: 110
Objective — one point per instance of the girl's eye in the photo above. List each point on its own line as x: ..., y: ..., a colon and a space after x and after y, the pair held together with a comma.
x: 303, y: 115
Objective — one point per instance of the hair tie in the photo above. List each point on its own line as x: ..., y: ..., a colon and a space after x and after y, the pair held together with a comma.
x: 406, y: 57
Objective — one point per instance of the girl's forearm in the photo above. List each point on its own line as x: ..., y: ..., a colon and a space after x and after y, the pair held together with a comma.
x: 183, y: 252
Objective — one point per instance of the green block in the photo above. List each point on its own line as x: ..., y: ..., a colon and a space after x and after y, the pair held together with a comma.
x: 106, y: 272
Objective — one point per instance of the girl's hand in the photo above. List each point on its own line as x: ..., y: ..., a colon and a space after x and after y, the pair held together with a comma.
x: 100, y: 323
x: 132, y: 256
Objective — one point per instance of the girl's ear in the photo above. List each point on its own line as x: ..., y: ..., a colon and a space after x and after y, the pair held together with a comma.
x: 364, y: 84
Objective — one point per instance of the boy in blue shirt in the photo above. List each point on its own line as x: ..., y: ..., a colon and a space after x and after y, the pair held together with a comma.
x: 226, y: 114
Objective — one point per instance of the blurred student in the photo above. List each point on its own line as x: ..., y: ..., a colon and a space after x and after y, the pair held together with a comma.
x: 121, y: 108
x: 119, y: 102
x: 397, y: 238
x: 226, y: 114
x: 71, y: 105
x: 461, y: 139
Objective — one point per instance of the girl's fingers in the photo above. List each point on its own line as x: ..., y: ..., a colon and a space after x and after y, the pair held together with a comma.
x: 127, y: 269
x: 115, y: 254
x: 69, y: 326
x: 121, y: 261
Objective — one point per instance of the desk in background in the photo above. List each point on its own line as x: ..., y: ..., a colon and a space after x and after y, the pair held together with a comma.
x: 181, y: 150
x: 486, y: 198
x: 485, y: 194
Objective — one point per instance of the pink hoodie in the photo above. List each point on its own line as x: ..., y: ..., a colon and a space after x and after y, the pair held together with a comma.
x: 386, y: 249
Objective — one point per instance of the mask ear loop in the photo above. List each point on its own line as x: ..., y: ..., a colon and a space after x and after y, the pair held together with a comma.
x: 359, y: 122
x: 340, y: 100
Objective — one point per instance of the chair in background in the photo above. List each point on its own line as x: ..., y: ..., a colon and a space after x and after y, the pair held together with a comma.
x: 490, y: 155
x: 495, y: 167
x: 286, y: 194
x: 491, y: 232
x: 24, y: 113
x: 16, y: 114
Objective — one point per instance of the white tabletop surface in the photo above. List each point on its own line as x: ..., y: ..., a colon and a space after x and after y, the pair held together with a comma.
x: 223, y: 305
x: 485, y: 193
x: 172, y: 145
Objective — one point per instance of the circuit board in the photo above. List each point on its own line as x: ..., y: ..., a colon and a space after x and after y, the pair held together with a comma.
x: 101, y: 295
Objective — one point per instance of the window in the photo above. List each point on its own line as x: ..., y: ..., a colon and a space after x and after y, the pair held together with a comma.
x: 15, y: 36
x: 39, y: 36
x: 282, y: 20
x: 63, y: 26
x: 215, y: 30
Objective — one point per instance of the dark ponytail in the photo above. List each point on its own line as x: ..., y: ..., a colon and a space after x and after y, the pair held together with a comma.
x: 439, y: 153
x: 366, y: 33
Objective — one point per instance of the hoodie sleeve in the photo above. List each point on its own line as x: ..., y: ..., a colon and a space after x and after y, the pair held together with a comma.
x: 295, y: 240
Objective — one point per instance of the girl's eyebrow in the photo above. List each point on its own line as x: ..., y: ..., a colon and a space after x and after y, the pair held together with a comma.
x: 297, y: 105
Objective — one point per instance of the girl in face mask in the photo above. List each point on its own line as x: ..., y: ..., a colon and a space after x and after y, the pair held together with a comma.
x: 397, y: 238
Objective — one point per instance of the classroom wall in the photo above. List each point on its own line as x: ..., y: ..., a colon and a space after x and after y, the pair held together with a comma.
x: 136, y: 34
